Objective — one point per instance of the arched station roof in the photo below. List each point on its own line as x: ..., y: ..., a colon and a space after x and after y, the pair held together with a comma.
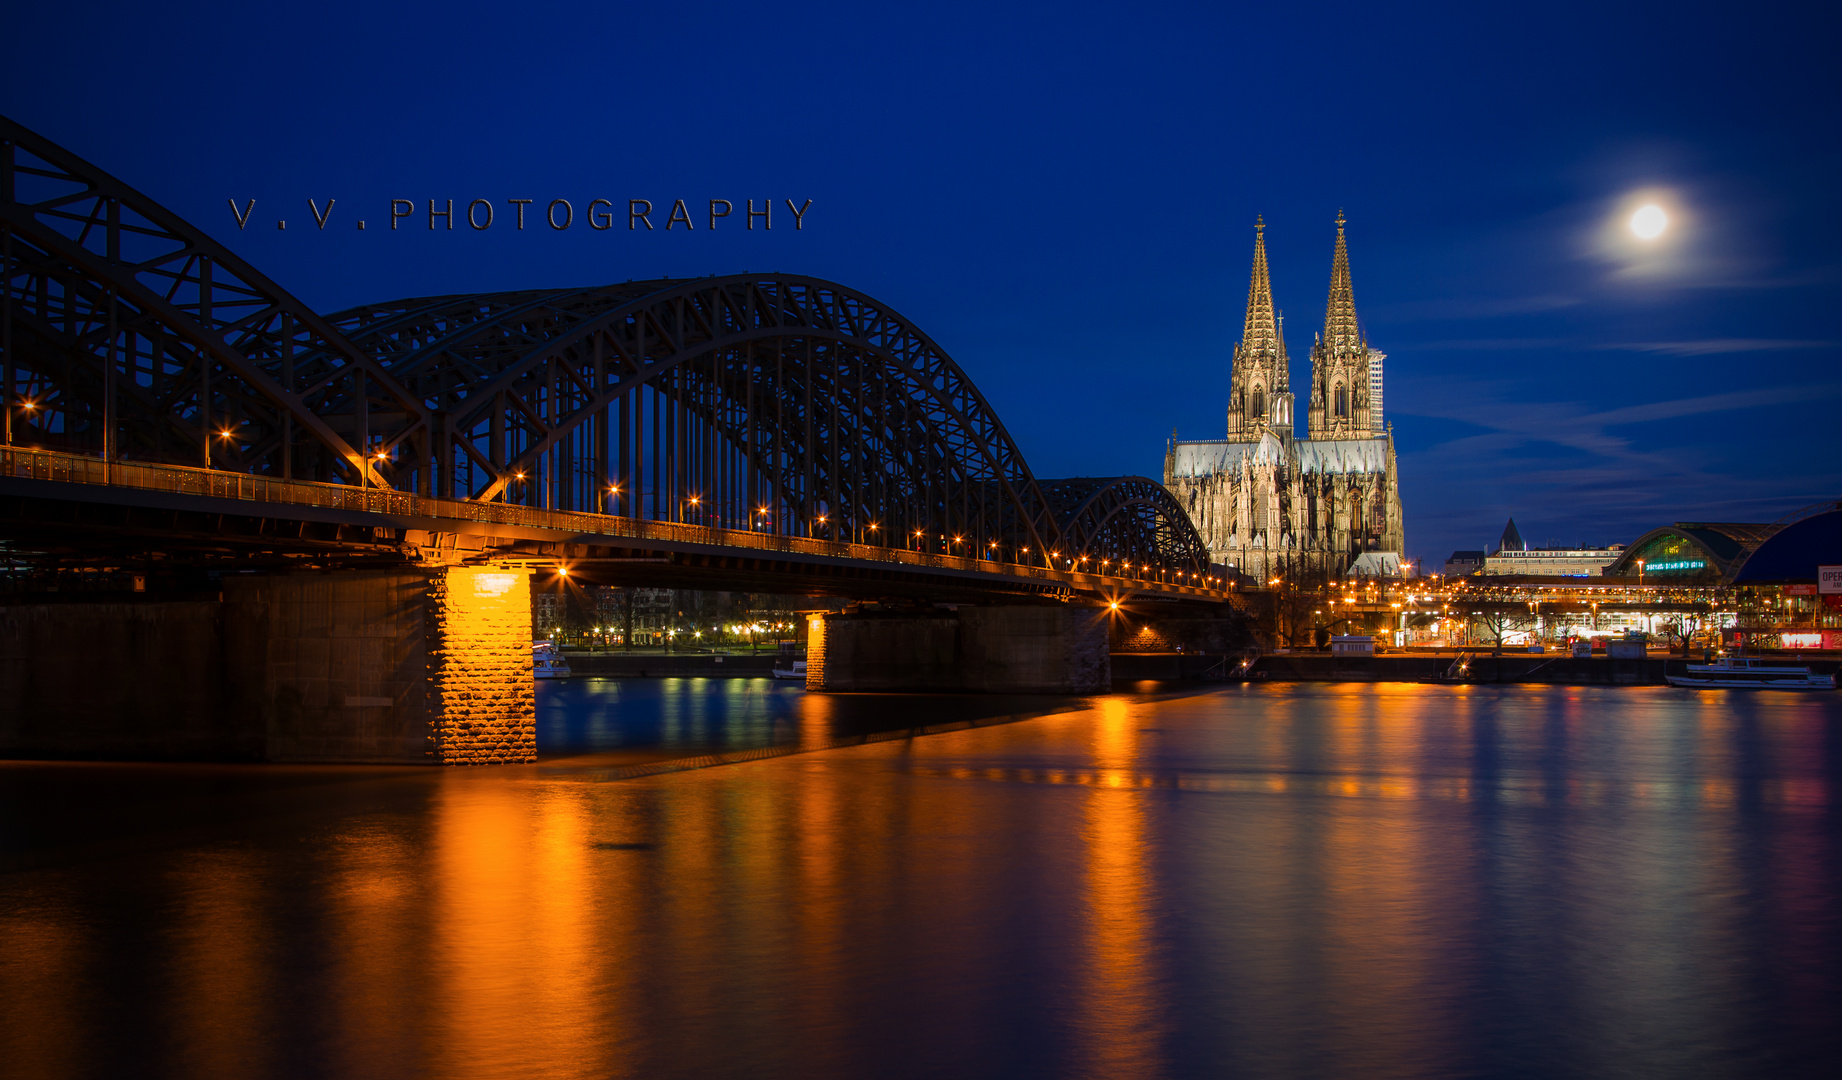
x: 1794, y: 552
x: 1692, y: 552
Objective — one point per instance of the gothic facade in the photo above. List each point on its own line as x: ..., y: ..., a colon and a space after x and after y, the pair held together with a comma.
x: 1269, y: 503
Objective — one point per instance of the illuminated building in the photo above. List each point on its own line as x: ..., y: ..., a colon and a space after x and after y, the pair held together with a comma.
x: 1689, y: 582
x: 1266, y: 501
x: 1514, y: 556
x: 1463, y: 563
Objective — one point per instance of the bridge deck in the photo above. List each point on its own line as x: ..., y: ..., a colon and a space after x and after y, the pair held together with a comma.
x: 451, y: 530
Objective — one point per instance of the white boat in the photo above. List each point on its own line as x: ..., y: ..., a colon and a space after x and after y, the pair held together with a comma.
x: 547, y: 661
x: 797, y: 671
x: 1751, y: 673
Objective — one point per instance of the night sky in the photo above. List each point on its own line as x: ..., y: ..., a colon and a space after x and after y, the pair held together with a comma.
x: 1064, y: 197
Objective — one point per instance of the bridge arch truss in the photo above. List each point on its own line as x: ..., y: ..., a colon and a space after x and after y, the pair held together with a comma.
x: 768, y: 402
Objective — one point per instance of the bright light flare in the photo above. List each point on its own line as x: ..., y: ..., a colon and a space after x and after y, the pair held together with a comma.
x: 1649, y: 221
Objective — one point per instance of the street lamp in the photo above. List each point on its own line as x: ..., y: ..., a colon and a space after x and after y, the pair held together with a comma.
x: 25, y: 403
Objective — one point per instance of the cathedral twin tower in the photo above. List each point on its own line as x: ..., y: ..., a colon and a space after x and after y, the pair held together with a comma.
x: 1268, y: 502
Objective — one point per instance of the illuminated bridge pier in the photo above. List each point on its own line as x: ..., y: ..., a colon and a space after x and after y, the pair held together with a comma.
x: 234, y: 526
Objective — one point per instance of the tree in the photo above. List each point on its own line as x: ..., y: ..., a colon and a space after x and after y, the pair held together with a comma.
x: 1499, y: 623
x: 1296, y: 596
x: 622, y: 597
x: 1678, y: 635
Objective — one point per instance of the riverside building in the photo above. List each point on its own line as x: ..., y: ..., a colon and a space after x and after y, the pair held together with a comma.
x: 1514, y: 556
x: 1269, y: 503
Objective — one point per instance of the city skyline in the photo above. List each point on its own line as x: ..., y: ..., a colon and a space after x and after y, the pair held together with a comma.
x: 1063, y: 204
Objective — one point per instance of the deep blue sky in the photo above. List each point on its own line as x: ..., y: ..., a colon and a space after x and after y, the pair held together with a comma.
x: 1063, y: 196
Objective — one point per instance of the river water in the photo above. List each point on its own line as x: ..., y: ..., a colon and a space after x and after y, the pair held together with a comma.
x: 1263, y: 880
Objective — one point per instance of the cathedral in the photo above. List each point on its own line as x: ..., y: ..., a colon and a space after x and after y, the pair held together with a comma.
x: 1269, y: 503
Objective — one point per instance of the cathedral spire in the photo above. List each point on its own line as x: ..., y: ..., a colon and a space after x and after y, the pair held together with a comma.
x: 1341, y: 333
x: 1345, y: 372
x: 1260, y: 334
x: 1260, y: 399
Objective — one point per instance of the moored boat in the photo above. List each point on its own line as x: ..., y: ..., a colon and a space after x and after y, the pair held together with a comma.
x: 797, y: 670
x: 1751, y: 673
x: 547, y: 661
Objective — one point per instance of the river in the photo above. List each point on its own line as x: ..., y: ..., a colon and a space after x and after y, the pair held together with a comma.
x: 1261, y: 880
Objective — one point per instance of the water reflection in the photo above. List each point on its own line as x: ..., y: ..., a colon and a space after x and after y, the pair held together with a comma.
x: 646, y: 719
x: 1265, y: 881
x: 1121, y: 1007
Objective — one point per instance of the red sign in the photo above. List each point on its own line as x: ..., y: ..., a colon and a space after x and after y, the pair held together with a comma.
x: 1800, y: 590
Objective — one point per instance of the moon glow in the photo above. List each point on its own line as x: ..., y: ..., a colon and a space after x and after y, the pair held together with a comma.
x: 1649, y: 221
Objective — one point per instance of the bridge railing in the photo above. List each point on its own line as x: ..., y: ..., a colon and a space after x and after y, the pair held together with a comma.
x: 60, y: 467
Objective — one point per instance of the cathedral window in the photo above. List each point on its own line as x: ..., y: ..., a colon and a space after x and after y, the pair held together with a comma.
x: 1343, y: 401
x: 1259, y: 406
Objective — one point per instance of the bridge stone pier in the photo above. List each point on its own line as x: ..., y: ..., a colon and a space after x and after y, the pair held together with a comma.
x: 406, y: 666
x: 1058, y: 649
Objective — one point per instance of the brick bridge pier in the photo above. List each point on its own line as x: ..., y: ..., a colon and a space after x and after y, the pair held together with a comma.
x: 411, y: 666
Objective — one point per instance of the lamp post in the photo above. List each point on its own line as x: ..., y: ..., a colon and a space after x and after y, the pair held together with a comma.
x: 25, y: 403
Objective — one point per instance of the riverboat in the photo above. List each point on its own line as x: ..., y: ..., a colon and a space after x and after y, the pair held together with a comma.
x: 796, y: 671
x: 547, y: 661
x: 1751, y: 673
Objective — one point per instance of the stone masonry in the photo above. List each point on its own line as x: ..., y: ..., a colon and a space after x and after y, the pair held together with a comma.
x: 482, y: 704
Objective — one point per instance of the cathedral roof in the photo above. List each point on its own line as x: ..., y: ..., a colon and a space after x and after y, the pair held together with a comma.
x: 1342, y: 456
x: 1335, y: 457
x: 1211, y: 457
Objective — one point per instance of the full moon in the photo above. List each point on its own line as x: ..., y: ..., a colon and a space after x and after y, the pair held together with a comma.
x: 1649, y: 222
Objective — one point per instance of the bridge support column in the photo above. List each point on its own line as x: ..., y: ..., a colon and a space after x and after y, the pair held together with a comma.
x: 1060, y: 649
x: 406, y: 666
x: 416, y: 666
x: 482, y: 704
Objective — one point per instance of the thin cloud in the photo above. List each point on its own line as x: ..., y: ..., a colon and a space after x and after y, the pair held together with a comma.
x: 1484, y: 345
x: 1717, y: 346
x: 1456, y: 308
x: 1569, y: 463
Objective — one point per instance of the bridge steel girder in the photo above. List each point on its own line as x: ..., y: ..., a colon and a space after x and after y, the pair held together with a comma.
x: 136, y: 326
x: 809, y: 398
x: 1129, y: 518
x: 778, y: 401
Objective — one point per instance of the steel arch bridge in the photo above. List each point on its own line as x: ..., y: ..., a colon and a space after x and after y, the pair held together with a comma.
x: 773, y: 402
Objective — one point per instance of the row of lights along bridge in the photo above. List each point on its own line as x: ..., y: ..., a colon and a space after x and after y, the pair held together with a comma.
x: 691, y: 507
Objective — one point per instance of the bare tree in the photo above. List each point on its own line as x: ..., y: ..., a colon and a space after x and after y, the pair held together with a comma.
x: 623, y: 603
x: 1499, y: 623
